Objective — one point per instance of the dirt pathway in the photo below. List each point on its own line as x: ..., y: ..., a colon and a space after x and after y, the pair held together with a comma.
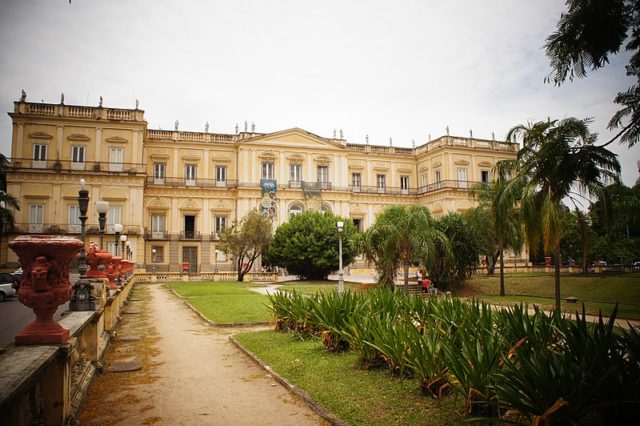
x: 199, y: 378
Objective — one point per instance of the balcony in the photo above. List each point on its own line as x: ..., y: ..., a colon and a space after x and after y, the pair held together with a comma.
x: 60, y: 166
x: 156, y: 235
x: 192, y: 183
x: 190, y: 236
x: 66, y: 228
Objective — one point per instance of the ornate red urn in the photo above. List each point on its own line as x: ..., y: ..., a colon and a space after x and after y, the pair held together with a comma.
x: 113, y: 272
x: 95, y: 259
x: 45, y: 284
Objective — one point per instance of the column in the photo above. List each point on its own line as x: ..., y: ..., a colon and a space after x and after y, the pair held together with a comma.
x: 98, y: 153
x: 17, y: 153
x: 59, y: 136
x: 309, y: 167
x: 135, y: 158
x: 206, y: 164
x: 175, y: 172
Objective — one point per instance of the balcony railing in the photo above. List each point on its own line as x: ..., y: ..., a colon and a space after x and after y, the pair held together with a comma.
x: 60, y: 166
x: 156, y: 235
x: 197, y: 183
x: 190, y: 235
x: 67, y: 228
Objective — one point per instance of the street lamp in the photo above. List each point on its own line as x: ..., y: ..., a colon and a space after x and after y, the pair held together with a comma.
x: 340, y: 273
x: 215, y: 259
x: 153, y: 260
x: 123, y: 240
x: 82, y: 298
x: 129, y: 251
x: 117, y: 228
x: 102, y: 207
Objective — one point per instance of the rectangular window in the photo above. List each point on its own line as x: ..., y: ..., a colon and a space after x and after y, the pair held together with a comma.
x: 190, y: 172
x: 157, y: 254
x: 116, y: 158
x: 113, y: 216
x: 36, y: 218
x: 74, y: 219
x: 425, y: 180
x: 77, y: 157
x: 437, y: 179
x: 267, y: 170
x: 39, y: 156
x: 157, y: 226
x: 381, y: 183
x: 404, y: 184
x: 356, y: 181
x: 221, y: 176
x: 159, y: 173
x: 485, y: 176
x: 112, y: 247
x: 295, y: 172
x: 323, y: 176
x: 221, y: 224
x: 462, y: 178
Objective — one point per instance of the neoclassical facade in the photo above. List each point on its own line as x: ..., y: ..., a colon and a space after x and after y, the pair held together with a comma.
x: 174, y: 191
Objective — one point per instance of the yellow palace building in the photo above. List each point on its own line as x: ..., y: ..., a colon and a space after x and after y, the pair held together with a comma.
x: 174, y: 191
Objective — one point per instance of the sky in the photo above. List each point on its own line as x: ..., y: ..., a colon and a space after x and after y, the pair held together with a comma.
x: 402, y: 69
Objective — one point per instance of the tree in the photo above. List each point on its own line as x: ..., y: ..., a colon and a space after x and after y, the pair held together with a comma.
x: 402, y: 235
x: 457, y: 255
x: 503, y: 229
x: 587, y: 34
x: 558, y: 160
x: 247, y: 240
x: 308, y: 245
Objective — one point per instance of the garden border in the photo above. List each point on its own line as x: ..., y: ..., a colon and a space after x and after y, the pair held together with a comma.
x: 208, y: 321
x: 301, y: 393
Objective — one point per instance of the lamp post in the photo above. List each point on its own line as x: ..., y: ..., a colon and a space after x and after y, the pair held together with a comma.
x: 215, y: 259
x: 153, y: 260
x: 340, y: 273
x: 117, y: 228
x: 82, y: 298
x: 102, y: 207
x: 123, y: 240
x: 129, y: 251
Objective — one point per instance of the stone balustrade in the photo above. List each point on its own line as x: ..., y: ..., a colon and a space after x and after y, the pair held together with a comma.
x: 44, y: 384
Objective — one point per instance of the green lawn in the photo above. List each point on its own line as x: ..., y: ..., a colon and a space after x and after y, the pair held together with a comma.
x: 311, y: 287
x: 598, y: 292
x: 358, y: 396
x: 225, y: 302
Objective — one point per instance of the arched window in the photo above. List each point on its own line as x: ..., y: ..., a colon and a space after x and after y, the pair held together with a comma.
x: 295, y: 209
x: 325, y: 208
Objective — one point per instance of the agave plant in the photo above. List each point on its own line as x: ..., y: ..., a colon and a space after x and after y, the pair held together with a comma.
x: 330, y: 312
x: 424, y: 356
x: 391, y: 338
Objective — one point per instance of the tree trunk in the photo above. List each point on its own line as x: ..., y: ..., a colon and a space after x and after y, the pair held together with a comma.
x: 501, y: 269
x: 406, y: 276
x: 557, y: 276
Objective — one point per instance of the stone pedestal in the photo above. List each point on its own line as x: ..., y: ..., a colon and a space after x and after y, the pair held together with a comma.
x: 45, y: 284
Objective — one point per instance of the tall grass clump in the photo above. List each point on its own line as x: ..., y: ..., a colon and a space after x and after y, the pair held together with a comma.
x: 518, y: 364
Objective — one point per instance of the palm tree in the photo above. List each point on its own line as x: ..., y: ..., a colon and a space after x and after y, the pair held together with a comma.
x: 558, y: 160
x: 503, y: 218
x: 402, y: 235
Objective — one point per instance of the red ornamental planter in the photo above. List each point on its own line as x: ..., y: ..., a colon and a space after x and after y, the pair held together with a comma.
x: 45, y: 284
x: 96, y: 258
x: 113, y: 271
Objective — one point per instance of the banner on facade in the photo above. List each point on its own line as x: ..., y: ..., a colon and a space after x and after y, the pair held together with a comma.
x: 313, y: 195
x: 268, y: 206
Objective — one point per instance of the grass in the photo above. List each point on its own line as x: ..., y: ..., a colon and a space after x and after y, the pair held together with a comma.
x: 598, y: 292
x: 311, y: 287
x: 225, y: 302
x: 357, y: 396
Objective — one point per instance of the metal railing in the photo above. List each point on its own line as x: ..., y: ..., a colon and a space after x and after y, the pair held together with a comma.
x: 60, y: 166
x: 197, y: 183
x: 190, y: 235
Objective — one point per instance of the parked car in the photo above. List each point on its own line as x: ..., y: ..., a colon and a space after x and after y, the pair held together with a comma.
x: 6, y: 286
x: 636, y: 266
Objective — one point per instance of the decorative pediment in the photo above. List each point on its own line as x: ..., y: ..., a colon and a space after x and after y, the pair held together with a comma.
x: 485, y: 164
x: 295, y: 158
x: 322, y: 160
x: 293, y: 138
x: 437, y: 164
x: 79, y: 138
x: 267, y: 156
x: 461, y: 163
x: 222, y: 158
x: 40, y: 135
x: 158, y: 204
x: 116, y: 139
x: 404, y: 170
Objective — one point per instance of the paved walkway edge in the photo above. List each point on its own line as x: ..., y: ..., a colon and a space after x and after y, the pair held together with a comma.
x: 302, y: 394
x: 208, y: 321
